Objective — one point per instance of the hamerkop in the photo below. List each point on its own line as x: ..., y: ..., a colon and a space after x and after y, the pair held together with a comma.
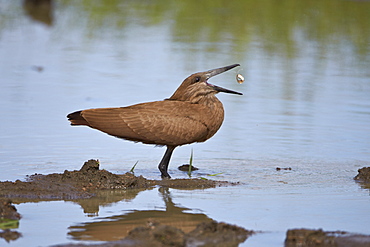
x: 191, y: 114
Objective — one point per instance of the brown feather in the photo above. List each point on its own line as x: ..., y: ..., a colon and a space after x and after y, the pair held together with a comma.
x: 161, y: 122
x: 77, y: 119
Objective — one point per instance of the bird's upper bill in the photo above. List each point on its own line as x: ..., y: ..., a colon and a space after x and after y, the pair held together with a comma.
x: 213, y: 72
x: 196, y: 85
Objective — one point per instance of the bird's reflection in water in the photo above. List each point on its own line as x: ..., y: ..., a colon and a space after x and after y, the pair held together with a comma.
x: 117, y: 226
x: 39, y: 10
x: 105, y: 198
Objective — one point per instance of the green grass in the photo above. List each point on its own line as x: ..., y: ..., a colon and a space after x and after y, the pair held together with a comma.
x: 133, y: 168
x: 190, y: 163
x: 8, y: 224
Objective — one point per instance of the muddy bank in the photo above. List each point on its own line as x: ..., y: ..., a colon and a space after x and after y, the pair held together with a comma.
x: 90, y: 183
x: 84, y: 183
x: 153, y: 233
x: 105, y: 188
x: 320, y: 238
x: 205, y: 234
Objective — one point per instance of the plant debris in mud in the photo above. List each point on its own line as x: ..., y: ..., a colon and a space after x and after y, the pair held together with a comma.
x: 8, y: 211
x: 72, y: 185
x: 9, y: 219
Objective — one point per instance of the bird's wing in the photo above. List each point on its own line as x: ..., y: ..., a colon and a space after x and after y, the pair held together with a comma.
x: 161, y: 122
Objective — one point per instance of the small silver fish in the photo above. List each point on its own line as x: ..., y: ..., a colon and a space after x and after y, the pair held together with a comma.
x: 239, y: 78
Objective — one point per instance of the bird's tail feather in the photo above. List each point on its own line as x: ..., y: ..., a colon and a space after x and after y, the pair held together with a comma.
x: 77, y: 119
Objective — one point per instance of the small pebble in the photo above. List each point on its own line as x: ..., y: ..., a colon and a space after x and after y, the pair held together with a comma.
x: 239, y: 78
x: 185, y: 168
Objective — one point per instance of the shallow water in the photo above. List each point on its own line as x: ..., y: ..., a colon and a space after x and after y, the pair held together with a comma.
x: 306, y: 105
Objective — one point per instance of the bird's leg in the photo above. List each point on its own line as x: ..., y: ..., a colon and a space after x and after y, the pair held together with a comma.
x: 163, y: 166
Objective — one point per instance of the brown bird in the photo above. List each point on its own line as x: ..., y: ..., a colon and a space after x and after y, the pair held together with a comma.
x: 192, y: 114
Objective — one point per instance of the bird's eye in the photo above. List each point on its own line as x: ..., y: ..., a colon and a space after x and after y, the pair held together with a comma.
x: 197, y: 79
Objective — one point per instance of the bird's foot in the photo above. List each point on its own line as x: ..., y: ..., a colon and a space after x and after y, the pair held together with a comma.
x: 165, y: 175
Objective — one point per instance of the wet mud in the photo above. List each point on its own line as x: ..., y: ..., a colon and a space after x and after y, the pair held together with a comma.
x: 8, y: 210
x: 89, y: 183
x: 320, y: 238
x: 86, y: 182
x: 91, y: 188
x: 363, y: 177
x: 186, y: 167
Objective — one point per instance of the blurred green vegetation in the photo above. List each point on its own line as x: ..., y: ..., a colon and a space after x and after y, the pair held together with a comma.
x: 279, y: 26
x: 8, y: 224
x: 275, y: 24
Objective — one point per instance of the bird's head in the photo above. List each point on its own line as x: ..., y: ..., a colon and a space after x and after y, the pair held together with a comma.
x: 196, y: 86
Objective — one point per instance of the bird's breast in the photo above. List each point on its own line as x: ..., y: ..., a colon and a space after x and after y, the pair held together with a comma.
x: 212, y: 116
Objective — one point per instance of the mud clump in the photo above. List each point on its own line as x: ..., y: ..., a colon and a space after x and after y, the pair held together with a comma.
x: 217, y: 234
x: 205, y: 234
x: 320, y: 238
x: 363, y: 175
x: 90, y: 178
x: 195, y: 183
x: 84, y: 183
x: 186, y: 167
x: 70, y: 184
x: 8, y: 211
x: 156, y: 235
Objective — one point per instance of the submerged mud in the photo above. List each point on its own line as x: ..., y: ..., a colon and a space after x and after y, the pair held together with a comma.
x: 320, y: 238
x: 156, y: 235
x: 363, y: 177
x: 91, y: 182
x: 87, y: 181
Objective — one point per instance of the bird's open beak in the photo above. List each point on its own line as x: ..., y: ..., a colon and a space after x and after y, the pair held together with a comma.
x: 224, y: 90
x: 214, y: 72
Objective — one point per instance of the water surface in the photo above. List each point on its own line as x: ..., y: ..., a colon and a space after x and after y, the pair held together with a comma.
x: 306, y: 105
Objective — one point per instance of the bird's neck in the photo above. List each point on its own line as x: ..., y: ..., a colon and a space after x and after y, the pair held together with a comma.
x: 209, y: 100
